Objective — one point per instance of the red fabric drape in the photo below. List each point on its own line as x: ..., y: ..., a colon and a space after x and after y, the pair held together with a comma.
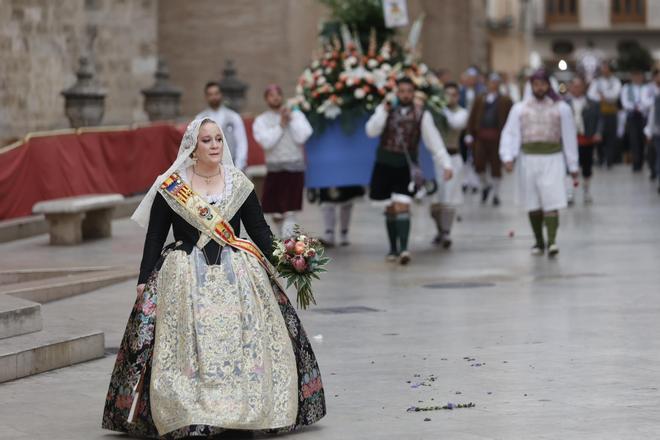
x: 51, y: 167
x: 124, y: 162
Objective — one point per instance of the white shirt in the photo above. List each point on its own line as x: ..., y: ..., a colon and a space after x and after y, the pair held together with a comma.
x: 283, y: 147
x: 457, y: 117
x: 633, y: 97
x: 511, y: 138
x: 652, y: 129
x: 430, y: 135
x: 234, y: 129
x: 578, y: 103
x: 609, y: 87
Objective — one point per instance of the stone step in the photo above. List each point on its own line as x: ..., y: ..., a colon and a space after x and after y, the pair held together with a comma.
x: 18, y: 316
x: 25, y: 275
x: 35, y: 353
x: 51, y: 289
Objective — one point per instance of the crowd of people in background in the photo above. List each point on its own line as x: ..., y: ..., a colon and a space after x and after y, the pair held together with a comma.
x: 617, y: 122
x: 611, y: 122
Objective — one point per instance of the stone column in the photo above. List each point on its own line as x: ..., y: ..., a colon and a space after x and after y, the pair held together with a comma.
x: 162, y: 100
x: 85, y: 100
x: 232, y: 88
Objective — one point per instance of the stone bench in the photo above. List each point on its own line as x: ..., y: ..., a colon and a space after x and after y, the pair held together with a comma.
x: 74, y: 219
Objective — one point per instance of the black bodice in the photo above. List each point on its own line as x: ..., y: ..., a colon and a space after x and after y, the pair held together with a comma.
x: 162, y: 217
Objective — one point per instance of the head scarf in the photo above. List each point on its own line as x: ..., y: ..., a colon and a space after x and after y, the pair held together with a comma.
x: 272, y: 88
x: 542, y: 74
x: 183, y: 160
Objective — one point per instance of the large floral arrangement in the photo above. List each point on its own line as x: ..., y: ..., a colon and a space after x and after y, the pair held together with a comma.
x: 345, y: 83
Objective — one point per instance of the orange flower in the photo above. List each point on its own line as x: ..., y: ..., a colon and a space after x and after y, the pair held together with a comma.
x: 339, y: 85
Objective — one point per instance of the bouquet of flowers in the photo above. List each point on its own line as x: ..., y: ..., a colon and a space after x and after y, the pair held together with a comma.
x: 344, y: 82
x: 300, y: 259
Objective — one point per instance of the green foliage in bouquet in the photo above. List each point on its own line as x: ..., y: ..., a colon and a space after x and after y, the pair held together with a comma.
x: 300, y: 259
x: 361, y: 16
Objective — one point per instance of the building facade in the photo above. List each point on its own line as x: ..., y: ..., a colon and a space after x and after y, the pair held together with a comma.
x: 268, y: 41
x: 530, y: 33
x: 41, y: 42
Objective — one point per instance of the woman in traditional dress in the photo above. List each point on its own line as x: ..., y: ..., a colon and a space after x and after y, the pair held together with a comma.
x: 213, y: 343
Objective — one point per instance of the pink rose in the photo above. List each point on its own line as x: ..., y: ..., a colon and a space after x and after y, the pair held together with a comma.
x: 289, y: 245
x: 299, y: 248
x: 299, y: 264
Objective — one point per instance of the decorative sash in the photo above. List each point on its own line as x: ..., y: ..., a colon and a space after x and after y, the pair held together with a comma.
x: 199, y: 213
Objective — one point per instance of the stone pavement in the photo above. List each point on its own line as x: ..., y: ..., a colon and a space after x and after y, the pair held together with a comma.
x: 546, y: 349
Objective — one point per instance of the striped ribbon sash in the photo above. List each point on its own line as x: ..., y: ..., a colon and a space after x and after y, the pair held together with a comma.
x: 204, y: 217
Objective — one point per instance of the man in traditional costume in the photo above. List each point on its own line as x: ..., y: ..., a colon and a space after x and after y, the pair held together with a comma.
x: 652, y: 129
x: 487, y: 118
x: 636, y: 105
x: 213, y: 343
x: 230, y: 122
x: 540, y: 132
x: 605, y: 89
x: 396, y: 175
x: 469, y: 89
x: 586, y: 114
x: 282, y: 132
x: 449, y: 195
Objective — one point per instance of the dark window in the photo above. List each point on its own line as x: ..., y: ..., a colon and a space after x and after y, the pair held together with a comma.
x: 561, y: 11
x: 628, y: 11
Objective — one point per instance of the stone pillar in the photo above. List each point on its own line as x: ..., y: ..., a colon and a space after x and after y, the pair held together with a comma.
x: 65, y: 228
x: 162, y: 100
x: 232, y: 88
x: 85, y: 100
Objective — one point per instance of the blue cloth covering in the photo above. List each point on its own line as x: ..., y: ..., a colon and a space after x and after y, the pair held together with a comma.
x: 335, y: 158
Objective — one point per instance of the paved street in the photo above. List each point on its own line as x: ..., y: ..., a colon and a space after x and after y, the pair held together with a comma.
x: 546, y: 349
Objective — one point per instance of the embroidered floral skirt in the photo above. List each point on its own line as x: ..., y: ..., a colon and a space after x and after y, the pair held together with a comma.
x: 223, y: 349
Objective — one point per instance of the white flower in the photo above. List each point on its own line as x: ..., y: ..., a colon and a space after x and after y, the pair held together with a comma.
x: 386, y: 67
x: 423, y: 68
x: 332, y: 111
x: 305, y: 106
x: 321, y: 80
x: 349, y: 82
x: 370, y: 98
x: 328, y: 70
x: 315, y: 64
x: 329, y: 109
x: 359, y: 93
x: 372, y: 63
x: 351, y: 61
x: 299, y: 89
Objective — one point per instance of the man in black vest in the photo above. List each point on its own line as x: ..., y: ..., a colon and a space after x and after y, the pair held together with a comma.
x: 586, y: 113
x: 401, y: 125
